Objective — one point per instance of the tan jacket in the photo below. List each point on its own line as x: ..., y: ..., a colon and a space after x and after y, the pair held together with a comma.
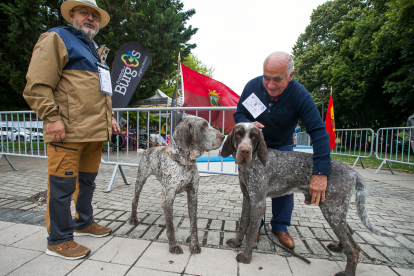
x: 63, y: 84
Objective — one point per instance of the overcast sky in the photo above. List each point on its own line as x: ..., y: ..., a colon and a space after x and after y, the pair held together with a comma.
x: 235, y: 37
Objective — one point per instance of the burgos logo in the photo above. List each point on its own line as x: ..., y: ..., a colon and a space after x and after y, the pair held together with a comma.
x: 130, y: 60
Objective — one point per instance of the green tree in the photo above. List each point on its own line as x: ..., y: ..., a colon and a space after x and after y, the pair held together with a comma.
x: 399, y: 55
x: 157, y: 24
x: 192, y: 62
x: 160, y: 25
x: 21, y: 23
x: 364, y: 49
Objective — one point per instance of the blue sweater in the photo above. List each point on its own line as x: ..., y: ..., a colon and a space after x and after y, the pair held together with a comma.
x: 281, y: 117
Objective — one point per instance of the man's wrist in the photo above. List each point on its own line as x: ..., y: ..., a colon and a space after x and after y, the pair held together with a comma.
x: 54, y: 118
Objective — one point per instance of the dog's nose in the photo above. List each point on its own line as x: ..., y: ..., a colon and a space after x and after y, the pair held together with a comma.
x: 245, y: 151
x: 221, y: 136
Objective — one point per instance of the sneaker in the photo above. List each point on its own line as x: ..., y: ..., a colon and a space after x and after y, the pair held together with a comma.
x: 68, y: 250
x: 94, y: 230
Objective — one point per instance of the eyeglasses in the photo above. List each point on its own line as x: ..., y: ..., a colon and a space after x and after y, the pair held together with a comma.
x: 85, y: 13
x: 276, y: 79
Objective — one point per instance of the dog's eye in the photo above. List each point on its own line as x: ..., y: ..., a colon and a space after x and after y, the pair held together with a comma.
x: 238, y: 135
x: 205, y: 126
x: 253, y: 137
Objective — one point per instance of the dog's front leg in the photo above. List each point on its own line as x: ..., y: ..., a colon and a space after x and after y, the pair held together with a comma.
x: 244, y: 222
x: 256, y: 214
x: 143, y: 173
x: 169, y: 196
x: 192, y: 212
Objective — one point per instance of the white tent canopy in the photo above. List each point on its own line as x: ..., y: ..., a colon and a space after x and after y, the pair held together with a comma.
x: 158, y: 100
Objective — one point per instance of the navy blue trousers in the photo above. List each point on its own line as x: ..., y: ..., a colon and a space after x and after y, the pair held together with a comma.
x: 282, y: 207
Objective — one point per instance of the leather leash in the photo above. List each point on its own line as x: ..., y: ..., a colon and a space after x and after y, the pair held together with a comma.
x: 264, y: 221
x: 281, y: 246
x: 124, y: 135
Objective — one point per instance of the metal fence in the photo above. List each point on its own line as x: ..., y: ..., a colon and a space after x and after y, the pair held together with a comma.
x: 137, y: 133
x: 147, y: 133
x: 354, y: 142
x: 21, y: 134
x: 393, y: 145
x: 301, y: 139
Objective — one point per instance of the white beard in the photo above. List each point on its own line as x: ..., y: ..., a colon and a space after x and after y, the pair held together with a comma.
x: 86, y: 31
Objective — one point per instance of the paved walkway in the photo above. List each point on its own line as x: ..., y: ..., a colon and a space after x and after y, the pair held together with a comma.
x: 143, y: 250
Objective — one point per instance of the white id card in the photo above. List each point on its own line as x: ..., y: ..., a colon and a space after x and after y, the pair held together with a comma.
x: 105, y: 79
x: 254, y: 105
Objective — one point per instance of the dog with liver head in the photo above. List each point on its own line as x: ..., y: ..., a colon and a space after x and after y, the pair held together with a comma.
x: 175, y: 167
x: 271, y: 173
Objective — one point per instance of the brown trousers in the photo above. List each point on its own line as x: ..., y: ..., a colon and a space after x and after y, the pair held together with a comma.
x: 72, y: 169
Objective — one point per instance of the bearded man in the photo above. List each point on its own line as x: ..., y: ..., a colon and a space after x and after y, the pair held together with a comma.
x: 64, y: 88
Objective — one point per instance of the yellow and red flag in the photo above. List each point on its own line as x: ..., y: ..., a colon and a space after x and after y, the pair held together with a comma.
x: 330, y: 123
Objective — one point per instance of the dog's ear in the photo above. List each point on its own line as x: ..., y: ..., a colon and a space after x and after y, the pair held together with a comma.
x: 182, y: 134
x: 228, y: 149
x: 262, y: 150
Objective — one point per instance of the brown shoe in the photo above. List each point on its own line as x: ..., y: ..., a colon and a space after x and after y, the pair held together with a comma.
x: 68, y: 250
x: 94, y: 230
x: 284, y: 238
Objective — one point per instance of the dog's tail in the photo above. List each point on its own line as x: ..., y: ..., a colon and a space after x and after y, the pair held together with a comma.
x: 141, y: 151
x: 361, y: 195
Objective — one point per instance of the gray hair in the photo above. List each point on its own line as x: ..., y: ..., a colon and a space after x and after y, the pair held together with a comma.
x: 289, y: 60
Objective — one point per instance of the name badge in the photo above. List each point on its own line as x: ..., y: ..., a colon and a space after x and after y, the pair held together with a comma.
x: 104, y: 79
x: 254, y: 105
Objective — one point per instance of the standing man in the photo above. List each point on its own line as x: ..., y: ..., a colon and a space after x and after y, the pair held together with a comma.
x: 63, y: 88
x: 287, y: 101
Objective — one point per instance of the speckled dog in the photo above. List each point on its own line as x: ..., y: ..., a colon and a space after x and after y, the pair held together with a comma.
x: 175, y: 167
x: 267, y: 172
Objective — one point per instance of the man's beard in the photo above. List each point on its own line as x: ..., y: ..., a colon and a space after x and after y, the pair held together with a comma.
x: 86, y: 31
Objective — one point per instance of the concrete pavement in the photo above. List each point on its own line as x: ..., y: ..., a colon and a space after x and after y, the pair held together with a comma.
x: 143, y: 249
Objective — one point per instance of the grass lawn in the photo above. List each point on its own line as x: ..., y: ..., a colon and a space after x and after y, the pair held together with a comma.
x: 22, y: 147
x: 374, y: 162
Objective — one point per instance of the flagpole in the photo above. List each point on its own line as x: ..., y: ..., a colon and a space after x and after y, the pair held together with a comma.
x: 176, y: 94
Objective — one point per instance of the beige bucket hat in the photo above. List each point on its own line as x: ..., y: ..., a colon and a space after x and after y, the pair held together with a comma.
x: 70, y: 4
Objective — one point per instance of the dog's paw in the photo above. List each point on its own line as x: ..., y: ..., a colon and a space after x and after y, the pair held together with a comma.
x: 335, y: 247
x: 133, y: 220
x: 176, y: 249
x: 233, y: 243
x: 195, y: 248
x: 341, y: 273
x: 243, y: 258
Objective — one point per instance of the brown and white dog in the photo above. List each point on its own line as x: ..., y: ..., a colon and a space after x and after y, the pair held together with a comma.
x: 175, y: 167
x: 271, y: 173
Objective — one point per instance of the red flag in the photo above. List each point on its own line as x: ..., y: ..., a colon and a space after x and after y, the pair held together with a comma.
x: 330, y: 123
x: 200, y: 90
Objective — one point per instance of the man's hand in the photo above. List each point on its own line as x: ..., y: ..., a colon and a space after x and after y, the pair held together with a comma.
x: 56, y: 130
x: 259, y: 125
x: 115, y: 127
x: 317, y: 188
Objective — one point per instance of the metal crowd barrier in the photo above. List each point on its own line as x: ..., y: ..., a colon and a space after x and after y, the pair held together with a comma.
x: 124, y: 151
x: 354, y: 142
x: 393, y: 145
x: 21, y: 134
x: 301, y: 139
